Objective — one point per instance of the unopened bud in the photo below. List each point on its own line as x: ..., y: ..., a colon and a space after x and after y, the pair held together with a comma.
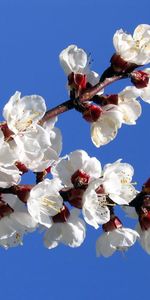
x: 106, y: 99
x: 120, y: 65
x: 77, y: 81
x: 140, y: 79
x: 114, y: 223
x: 92, y: 113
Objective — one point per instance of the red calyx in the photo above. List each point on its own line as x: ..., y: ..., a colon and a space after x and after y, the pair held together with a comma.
x: 77, y: 81
x: 114, y: 223
x: 48, y: 170
x: 80, y: 178
x: 75, y: 197
x: 92, y: 113
x: 5, y: 209
x: 140, y: 79
x: 62, y: 216
x: 6, y: 131
x: 100, y: 190
x: 120, y: 65
x: 144, y: 219
x: 23, y: 192
x: 146, y: 186
x: 21, y: 167
x: 106, y: 99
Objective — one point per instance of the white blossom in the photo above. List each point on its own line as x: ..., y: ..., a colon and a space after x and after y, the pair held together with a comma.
x: 71, y: 233
x: 7, y: 156
x: 145, y: 92
x: 16, y: 224
x: 94, y: 206
x: 34, y: 149
x: 117, y: 184
x: 134, y: 49
x: 54, y: 135
x: 129, y: 106
x: 118, y: 239
x: 22, y: 113
x: 106, y: 127
x: 74, y: 59
x: 35, y: 146
x: 77, y: 160
x: 93, y: 78
x: 44, y: 201
x: 9, y: 174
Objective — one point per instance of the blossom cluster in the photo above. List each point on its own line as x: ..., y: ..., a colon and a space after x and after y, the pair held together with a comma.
x: 79, y: 192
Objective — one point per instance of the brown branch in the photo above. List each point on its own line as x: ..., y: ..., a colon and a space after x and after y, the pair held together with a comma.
x: 85, y: 96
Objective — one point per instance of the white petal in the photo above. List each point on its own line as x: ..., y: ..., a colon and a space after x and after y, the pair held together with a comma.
x: 74, y: 59
x: 53, y: 236
x: 103, y: 246
x: 20, y: 114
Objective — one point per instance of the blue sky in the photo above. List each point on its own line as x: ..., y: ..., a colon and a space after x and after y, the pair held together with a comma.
x: 32, y: 34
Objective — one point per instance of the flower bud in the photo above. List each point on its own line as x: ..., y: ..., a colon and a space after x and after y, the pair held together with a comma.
x: 114, y: 223
x: 77, y: 81
x: 92, y: 113
x: 106, y: 99
x: 62, y: 216
x: 120, y: 65
x: 140, y: 79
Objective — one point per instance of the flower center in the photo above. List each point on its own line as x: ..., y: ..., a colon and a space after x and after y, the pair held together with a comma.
x: 50, y: 204
x: 80, y: 178
x: 22, y: 125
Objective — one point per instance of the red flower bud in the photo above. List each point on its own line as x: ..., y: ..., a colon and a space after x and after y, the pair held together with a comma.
x: 114, y: 223
x: 140, y: 79
x: 120, y: 65
x: 80, y: 178
x: 77, y: 81
x: 106, y: 99
x: 62, y: 216
x: 92, y: 113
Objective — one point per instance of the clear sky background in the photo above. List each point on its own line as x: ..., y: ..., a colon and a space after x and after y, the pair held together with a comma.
x: 32, y: 34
